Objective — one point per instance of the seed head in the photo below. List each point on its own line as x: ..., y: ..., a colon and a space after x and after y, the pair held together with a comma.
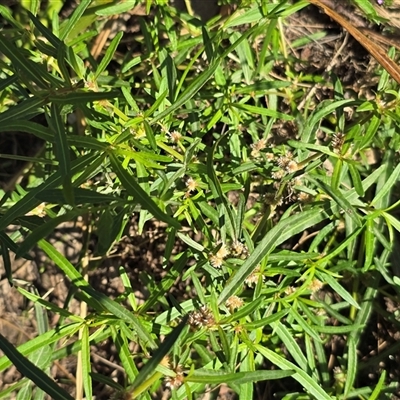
x: 201, y: 318
x: 175, y: 136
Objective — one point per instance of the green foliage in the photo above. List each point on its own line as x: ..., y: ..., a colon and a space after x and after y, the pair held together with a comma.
x: 187, y: 133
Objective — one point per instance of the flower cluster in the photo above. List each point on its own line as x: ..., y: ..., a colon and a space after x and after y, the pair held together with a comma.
x: 217, y: 258
x: 202, y: 318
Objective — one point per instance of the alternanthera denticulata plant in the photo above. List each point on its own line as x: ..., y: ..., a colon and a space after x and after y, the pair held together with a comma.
x: 279, y: 228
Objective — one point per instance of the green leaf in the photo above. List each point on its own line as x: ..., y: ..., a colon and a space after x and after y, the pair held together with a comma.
x: 108, y: 56
x: 61, y: 151
x: 216, y: 377
x: 45, y: 229
x: 262, y: 111
x: 300, y: 375
x: 338, y: 197
x: 150, y: 135
x: 200, y: 81
x: 32, y: 372
x: 74, y: 18
x: 141, y: 197
x: 6, y: 258
x: 50, y: 306
x: 300, y: 222
x: 86, y: 364
x: 30, y: 72
x: 22, y: 110
x: 160, y: 353
x: 352, y: 363
x: 82, y: 196
x: 266, y: 321
x: 96, y: 299
x: 29, y: 202
x: 79, y: 96
x: 243, y: 311
x: 160, y: 98
x: 45, y: 339
x: 355, y: 177
x: 265, y: 247
x: 125, y: 354
x: 388, y: 186
x: 38, y: 130
x: 339, y: 289
x: 322, y: 110
x: 114, y: 9
x: 291, y: 345
x: 379, y: 387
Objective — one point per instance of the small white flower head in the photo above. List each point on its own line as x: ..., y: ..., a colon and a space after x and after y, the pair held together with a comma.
x: 215, y: 261
x: 238, y: 249
x: 292, y: 166
x: 290, y: 290
x: 234, y: 302
x: 174, y: 382
x: 202, y: 318
x: 339, y: 376
x: 270, y: 156
x: 191, y: 184
x: 287, y: 163
x: 315, y: 285
x: 278, y: 175
x: 175, y: 136
x: 223, y: 251
x: 257, y: 147
x: 338, y: 141
x: 217, y: 258
x: 253, y: 278
x: 304, y: 197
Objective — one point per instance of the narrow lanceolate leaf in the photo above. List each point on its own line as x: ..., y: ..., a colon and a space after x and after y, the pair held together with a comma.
x: 338, y: 197
x: 160, y: 353
x: 352, y: 362
x: 191, y: 90
x: 393, y: 178
x: 109, y: 55
x: 300, y: 375
x: 200, y: 81
x: 29, y: 202
x: 6, y: 259
x: 300, y: 222
x: 22, y: 110
x: 355, y: 177
x: 34, y: 128
x: 74, y: 18
x: 96, y: 299
x: 291, y: 345
x: 28, y: 70
x: 81, y: 96
x: 216, y: 377
x: 263, y: 249
x: 338, y: 288
x: 82, y: 196
x: 140, y: 196
x: 42, y: 341
x: 61, y: 151
x: 243, y: 311
x: 45, y: 229
x: 369, y: 243
x: 86, y: 365
x: 32, y: 372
